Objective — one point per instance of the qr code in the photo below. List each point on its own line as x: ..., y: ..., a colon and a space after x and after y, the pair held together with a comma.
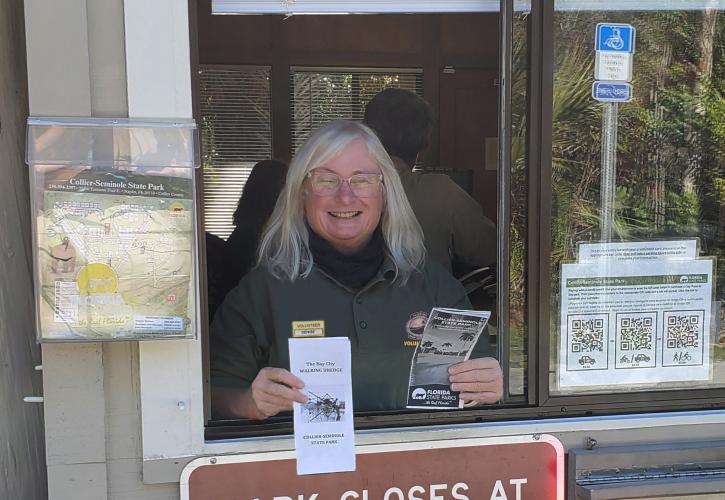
x: 684, y: 330
x: 587, y: 335
x: 636, y: 333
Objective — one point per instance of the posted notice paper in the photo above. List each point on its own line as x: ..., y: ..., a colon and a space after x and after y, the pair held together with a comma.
x: 636, y: 313
x: 641, y: 251
x: 324, y: 430
x: 448, y: 338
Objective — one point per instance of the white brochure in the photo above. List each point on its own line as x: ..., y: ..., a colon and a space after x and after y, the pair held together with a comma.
x: 639, y: 322
x: 324, y: 430
x: 638, y: 250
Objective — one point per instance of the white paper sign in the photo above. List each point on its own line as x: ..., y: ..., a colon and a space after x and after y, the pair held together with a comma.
x: 638, y: 250
x: 613, y: 66
x: 637, y: 322
x: 324, y: 430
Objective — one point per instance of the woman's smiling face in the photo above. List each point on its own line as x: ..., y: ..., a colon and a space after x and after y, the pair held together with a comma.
x: 345, y: 220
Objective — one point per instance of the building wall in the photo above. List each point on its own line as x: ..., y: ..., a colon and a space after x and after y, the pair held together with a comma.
x: 76, y: 58
x: 22, y: 458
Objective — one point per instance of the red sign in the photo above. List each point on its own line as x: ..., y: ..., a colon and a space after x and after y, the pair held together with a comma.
x: 506, y: 468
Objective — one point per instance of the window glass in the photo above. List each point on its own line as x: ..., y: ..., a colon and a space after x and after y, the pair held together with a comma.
x: 518, y: 337
x: 637, y: 197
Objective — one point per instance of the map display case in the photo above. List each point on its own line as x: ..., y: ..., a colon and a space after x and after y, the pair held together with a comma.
x: 114, y: 231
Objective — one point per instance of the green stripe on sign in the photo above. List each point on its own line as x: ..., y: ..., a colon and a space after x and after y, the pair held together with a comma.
x: 664, y: 279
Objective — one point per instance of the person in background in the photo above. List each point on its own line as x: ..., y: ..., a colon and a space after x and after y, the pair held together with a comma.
x: 453, y: 223
x: 255, y: 206
x: 218, y: 279
x: 343, y: 249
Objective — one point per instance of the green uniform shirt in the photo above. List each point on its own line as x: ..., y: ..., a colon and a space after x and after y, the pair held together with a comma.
x: 453, y: 223
x: 383, y: 322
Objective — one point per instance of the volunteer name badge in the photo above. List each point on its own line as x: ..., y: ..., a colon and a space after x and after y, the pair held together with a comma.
x: 308, y: 329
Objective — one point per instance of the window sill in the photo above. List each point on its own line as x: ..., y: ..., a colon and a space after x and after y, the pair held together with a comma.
x: 571, y: 431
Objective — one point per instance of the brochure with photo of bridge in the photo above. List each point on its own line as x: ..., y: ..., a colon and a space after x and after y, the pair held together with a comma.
x: 448, y: 338
x: 324, y: 428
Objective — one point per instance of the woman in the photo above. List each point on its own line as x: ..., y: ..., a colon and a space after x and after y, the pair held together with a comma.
x: 342, y: 249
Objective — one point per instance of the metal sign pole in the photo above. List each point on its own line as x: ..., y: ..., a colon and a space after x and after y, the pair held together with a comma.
x: 614, y: 44
x: 610, y: 111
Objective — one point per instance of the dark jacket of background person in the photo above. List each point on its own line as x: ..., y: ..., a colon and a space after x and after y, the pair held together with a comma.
x: 255, y: 206
x: 218, y: 279
x: 453, y: 223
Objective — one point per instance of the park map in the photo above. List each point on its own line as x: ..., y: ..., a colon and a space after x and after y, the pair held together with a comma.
x: 115, y: 254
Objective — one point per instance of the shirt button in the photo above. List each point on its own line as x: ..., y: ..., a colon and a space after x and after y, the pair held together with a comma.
x: 359, y: 300
x: 363, y: 325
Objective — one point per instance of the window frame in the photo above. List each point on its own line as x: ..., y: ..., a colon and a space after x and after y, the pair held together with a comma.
x: 240, y: 428
x: 600, y: 403
x: 537, y: 402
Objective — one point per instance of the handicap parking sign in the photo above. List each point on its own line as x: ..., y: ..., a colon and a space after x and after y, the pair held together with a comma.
x: 612, y: 37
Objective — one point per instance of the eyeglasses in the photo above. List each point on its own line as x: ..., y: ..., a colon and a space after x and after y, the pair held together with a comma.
x: 329, y: 183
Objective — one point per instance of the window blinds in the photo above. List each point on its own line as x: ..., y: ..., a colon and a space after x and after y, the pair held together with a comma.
x: 236, y: 133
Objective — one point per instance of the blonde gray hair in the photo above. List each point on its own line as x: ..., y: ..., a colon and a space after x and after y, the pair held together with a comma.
x: 284, y: 248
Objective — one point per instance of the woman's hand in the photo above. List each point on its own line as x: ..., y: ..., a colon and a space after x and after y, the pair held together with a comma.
x: 479, y: 381
x: 272, y: 391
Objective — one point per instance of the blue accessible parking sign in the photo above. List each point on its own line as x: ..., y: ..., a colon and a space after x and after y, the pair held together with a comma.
x: 615, y: 37
x: 612, y: 91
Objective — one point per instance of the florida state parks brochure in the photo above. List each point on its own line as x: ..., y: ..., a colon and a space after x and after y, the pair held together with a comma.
x: 324, y: 431
x: 448, y: 338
